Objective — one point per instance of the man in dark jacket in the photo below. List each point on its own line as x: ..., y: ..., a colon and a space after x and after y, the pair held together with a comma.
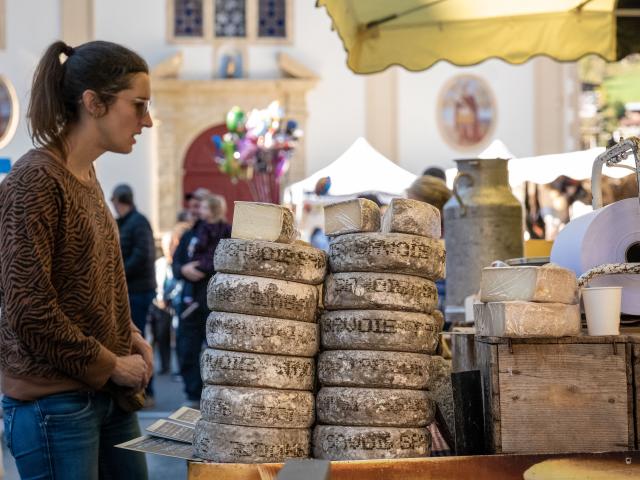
x: 138, y: 252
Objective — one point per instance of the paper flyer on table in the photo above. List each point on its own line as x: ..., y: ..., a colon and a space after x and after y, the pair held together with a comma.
x: 160, y: 446
x: 172, y: 430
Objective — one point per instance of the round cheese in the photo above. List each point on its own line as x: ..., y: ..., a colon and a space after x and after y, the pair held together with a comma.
x: 250, y: 333
x: 236, y: 444
x: 386, y: 291
x: 388, y: 252
x: 366, y: 443
x: 379, y: 330
x: 405, y: 215
x: 220, y: 367
x: 293, y: 262
x: 266, y: 297
x: 374, y: 407
x: 257, y: 407
x: 365, y: 368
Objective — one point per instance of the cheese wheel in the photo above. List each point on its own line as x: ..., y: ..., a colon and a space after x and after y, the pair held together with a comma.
x: 257, y: 407
x: 236, y: 444
x: 379, y: 330
x: 250, y: 333
x: 404, y: 215
x: 263, y: 221
x: 294, y: 262
x: 374, y: 407
x: 388, y: 252
x: 366, y: 368
x: 266, y: 297
x: 219, y: 367
x: 366, y: 443
x: 387, y: 291
x: 351, y: 216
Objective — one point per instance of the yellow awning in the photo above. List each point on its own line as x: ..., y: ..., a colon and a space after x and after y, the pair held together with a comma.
x: 418, y: 33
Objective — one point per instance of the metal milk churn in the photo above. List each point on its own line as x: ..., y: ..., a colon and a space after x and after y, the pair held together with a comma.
x: 482, y: 223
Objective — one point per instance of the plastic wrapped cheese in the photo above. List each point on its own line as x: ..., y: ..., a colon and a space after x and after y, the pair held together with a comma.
x: 351, y: 216
x: 263, y: 221
x: 549, y: 284
x: 526, y: 319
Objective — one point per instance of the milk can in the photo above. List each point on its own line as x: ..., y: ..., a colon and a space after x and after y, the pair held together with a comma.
x: 482, y: 223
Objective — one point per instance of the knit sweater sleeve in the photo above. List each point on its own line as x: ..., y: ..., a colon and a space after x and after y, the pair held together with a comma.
x: 30, y: 222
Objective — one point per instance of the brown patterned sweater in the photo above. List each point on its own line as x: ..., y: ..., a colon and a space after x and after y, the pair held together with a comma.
x: 64, y: 310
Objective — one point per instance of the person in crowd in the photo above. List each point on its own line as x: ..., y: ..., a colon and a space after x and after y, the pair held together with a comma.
x: 319, y: 240
x: 73, y: 364
x: 139, y: 254
x: 193, y: 263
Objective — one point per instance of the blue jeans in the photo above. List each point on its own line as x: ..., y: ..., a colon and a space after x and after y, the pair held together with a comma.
x: 72, y: 436
x: 139, y: 304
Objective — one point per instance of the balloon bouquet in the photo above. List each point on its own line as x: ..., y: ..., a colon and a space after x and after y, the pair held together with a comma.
x: 257, y: 149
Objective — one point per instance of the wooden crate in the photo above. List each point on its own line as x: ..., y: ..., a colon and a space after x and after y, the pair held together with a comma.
x: 557, y: 395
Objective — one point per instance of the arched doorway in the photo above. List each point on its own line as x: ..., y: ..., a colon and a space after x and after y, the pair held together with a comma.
x: 201, y: 170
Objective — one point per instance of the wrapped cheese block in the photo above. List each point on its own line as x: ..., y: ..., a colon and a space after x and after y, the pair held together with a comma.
x: 293, y: 262
x: 549, y: 284
x: 263, y: 221
x: 388, y: 252
x: 404, y: 215
x: 526, y: 319
x: 351, y: 216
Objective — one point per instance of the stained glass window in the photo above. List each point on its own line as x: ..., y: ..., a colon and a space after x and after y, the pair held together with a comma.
x: 272, y: 19
x: 188, y: 18
x: 230, y: 18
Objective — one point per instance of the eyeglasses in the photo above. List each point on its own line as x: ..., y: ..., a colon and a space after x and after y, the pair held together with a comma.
x: 141, y: 105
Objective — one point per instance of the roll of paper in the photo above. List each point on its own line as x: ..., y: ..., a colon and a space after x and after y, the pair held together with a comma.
x: 607, y: 235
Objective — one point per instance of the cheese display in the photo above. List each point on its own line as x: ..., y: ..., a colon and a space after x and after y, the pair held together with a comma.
x: 379, y: 330
x: 263, y: 221
x: 404, y: 215
x: 364, y: 368
x: 266, y: 297
x: 526, y: 319
x: 549, y: 284
x: 351, y: 216
x: 294, y: 262
x: 387, y: 291
x: 388, y: 252
x: 237, y: 444
x: 257, y: 407
x: 374, y: 407
x: 365, y: 443
x: 251, y: 333
x: 220, y: 367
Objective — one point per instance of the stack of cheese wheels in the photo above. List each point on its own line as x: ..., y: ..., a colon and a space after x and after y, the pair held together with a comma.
x: 258, y: 370
x: 379, y: 331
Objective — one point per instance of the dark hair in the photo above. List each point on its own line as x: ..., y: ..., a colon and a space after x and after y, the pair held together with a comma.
x: 435, y: 172
x: 371, y: 196
x: 189, y: 196
x: 57, y: 88
x: 123, y: 194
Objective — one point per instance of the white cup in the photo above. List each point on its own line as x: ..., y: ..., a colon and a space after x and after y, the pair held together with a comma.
x: 602, y: 308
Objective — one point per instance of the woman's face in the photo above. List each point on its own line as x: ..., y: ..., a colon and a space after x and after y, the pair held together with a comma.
x: 126, y: 116
x: 205, y: 213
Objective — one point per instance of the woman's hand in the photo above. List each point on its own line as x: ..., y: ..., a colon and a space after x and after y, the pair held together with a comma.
x: 141, y: 346
x: 130, y: 371
x: 191, y: 273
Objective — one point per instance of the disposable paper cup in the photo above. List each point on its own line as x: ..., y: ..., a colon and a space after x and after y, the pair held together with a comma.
x: 602, y: 308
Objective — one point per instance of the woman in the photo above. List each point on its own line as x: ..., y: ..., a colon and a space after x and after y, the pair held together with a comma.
x: 73, y: 365
x: 193, y: 263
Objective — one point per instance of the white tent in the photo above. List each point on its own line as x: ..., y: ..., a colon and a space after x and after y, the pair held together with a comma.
x: 360, y: 169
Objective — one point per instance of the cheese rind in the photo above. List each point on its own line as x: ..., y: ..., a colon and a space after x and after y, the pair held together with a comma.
x: 373, y: 369
x: 251, y: 333
x: 548, y: 284
x: 526, y: 319
x: 379, y: 330
x: 374, y: 407
x: 404, y: 215
x: 365, y: 443
x: 263, y: 221
x: 267, y: 297
x: 292, y: 262
x: 388, y: 252
x: 441, y: 389
x: 220, y: 367
x: 387, y: 291
x: 351, y: 216
x: 257, y: 407
x: 237, y: 444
